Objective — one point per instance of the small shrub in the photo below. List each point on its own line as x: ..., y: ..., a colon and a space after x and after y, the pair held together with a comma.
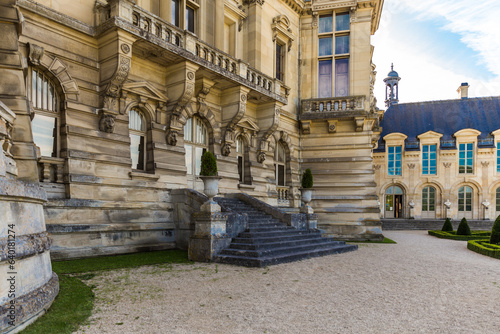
x: 447, y: 227
x: 307, y: 179
x: 463, y: 228
x: 208, y: 164
x: 495, y: 232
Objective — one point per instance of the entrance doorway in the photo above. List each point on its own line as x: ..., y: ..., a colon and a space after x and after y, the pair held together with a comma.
x: 394, y: 202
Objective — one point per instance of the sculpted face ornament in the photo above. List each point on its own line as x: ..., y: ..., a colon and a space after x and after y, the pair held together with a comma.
x: 226, y: 149
x: 261, y: 156
x: 107, y: 123
x: 172, y: 137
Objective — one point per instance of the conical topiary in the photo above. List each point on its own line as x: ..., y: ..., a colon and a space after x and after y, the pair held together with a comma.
x: 463, y: 228
x: 208, y: 164
x: 447, y: 227
x: 307, y: 179
x: 495, y: 232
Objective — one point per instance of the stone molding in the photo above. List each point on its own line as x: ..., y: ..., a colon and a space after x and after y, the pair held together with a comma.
x: 24, y: 191
x: 31, y: 304
x: 26, y: 245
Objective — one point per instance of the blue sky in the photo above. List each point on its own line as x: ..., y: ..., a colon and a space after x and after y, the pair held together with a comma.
x: 436, y: 45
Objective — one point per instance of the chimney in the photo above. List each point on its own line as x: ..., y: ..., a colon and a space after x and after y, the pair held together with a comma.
x: 463, y: 90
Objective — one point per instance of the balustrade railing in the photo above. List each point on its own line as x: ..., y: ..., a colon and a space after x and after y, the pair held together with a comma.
x: 168, y: 32
x: 333, y: 104
x: 51, y: 169
x: 283, y: 198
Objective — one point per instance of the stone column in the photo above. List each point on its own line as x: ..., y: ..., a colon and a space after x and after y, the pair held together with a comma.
x: 28, y: 285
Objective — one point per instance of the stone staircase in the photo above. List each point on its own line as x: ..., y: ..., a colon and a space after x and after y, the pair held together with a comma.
x: 269, y: 241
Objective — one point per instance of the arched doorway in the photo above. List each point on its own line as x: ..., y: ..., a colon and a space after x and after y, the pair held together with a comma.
x: 429, y: 202
x: 394, y: 202
x: 465, y: 202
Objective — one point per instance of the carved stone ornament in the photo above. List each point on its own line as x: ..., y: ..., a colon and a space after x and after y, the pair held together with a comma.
x: 107, y: 123
x: 190, y: 75
x: 226, y: 149
x: 125, y: 48
x: 261, y: 156
x: 306, y: 127
x: 447, y: 164
x: 411, y: 166
x: 377, y: 167
x: 485, y: 163
x: 172, y: 137
x: 35, y: 53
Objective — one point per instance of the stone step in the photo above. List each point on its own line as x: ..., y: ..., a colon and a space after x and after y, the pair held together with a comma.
x: 286, y: 243
x: 269, y: 228
x: 265, y: 234
x: 275, y: 238
x: 283, y: 258
x: 278, y: 250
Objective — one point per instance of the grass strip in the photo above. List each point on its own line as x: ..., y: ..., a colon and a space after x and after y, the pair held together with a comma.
x: 120, y: 261
x: 385, y: 241
x: 476, y: 235
x: 75, y: 301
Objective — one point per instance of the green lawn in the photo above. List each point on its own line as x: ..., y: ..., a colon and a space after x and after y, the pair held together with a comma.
x: 385, y: 241
x: 75, y: 301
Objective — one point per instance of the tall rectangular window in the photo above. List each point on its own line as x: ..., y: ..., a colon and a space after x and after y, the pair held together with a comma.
x: 394, y: 160
x: 190, y: 19
x: 280, y: 61
x: 333, y: 55
x: 466, y: 158
x: 498, y: 157
x: 175, y: 13
x: 429, y: 159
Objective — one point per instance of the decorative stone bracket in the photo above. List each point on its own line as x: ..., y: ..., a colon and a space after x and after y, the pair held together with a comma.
x: 239, y: 109
x: 275, y: 120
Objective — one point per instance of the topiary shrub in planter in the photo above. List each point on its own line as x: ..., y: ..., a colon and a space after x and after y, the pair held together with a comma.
x: 307, y: 179
x: 495, y: 232
x: 208, y: 164
x: 463, y: 227
x: 447, y: 227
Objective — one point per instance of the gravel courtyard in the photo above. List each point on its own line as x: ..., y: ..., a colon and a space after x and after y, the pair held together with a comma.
x: 421, y: 285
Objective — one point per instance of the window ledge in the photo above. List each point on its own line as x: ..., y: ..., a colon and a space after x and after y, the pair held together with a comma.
x: 246, y: 186
x: 143, y: 175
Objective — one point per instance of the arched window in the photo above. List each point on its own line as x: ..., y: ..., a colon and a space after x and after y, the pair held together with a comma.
x: 138, y: 133
x: 195, y: 143
x: 428, y: 202
x: 498, y: 200
x: 280, y: 165
x: 465, y: 202
x: 46, y: 122
x: 394, y: 202
x: 240, y: 153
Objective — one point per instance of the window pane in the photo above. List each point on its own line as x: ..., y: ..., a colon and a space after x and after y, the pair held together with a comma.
x: 188, y: 130
x: 279, y: 61
x: 34, y: 75
x: 43, y: 134
x: 175, y: 12
x: 325, y: 46
x: 189, y: 158
x: 45, y: 93
x: 498, y: 199
x: 281, y: 175
x: 342, y: 22
x: 198, y: 153
x: 325, y: 24
x: 240, y: 168
x: 341, y: 44
x: 137, y: 151
x: 51, y: 104
x: 325, y: 78
x: 341, y: 77
x: 190, y: 19
x: 39, y: 92
x: 136, y: 121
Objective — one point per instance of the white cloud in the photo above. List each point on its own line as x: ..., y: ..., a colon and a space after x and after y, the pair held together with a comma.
x: 429, y: 77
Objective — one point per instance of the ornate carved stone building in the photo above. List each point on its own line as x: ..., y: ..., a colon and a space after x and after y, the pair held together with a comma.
x: 124, y: 96
x: 439, y: 159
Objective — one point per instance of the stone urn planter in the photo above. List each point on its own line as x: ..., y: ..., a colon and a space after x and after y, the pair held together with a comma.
x: 306, y: 195
x: 210, y: 186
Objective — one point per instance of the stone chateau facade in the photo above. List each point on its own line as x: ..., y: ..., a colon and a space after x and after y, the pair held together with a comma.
x: 439, y: 159
x: 107, y: 107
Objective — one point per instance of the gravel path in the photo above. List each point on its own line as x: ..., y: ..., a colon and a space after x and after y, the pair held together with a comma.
x: 421, y: 285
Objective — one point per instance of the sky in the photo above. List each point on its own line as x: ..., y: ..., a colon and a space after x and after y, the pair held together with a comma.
x: 435, y: 45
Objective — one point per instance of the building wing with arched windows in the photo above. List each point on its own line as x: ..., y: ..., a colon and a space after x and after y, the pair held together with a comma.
x: 439, y: 159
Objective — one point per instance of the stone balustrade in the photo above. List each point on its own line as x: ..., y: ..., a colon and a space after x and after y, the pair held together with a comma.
x: 51, y: 169
x: 283, y: 198
x: 334, y: 104
x: 168, y: 32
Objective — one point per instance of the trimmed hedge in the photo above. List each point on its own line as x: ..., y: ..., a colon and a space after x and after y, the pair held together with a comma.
x: 484, y: 247
x: 447, y: 227
x: 495, y: 232
x: 476, y: 235
x: 463, y: 227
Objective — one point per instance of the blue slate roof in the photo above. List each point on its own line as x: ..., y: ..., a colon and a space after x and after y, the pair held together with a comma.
x: 445, y: 117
